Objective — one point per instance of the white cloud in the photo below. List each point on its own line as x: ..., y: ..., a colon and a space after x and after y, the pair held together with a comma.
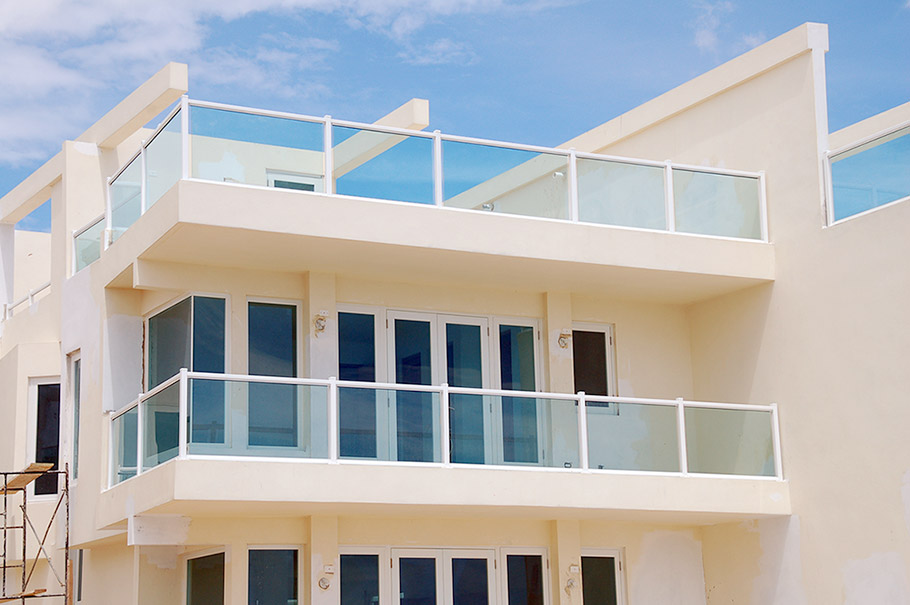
x: 708, y: 23
x: 59, y: 58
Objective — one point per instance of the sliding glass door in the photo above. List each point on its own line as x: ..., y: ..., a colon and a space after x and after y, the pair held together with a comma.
x: 443, y: 577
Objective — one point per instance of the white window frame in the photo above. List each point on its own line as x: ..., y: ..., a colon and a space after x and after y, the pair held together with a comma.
x: 298, y: 313
x: 185, y: 558
x: 32, y: 430
x: 74, y: 423
x: 608, y: 330
x: 505, y: 551
x: 618, y: 555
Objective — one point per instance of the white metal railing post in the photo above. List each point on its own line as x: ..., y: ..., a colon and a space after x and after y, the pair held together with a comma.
x: 573, y: 186
x: 328, y: 156
x: 140, y: 416
x: 333, y: 419
x: 583, y: 430
x: 763, y: 205
x: 671, y: 201
x: 681, y: 436
x: 446, y: 429
x: 110, y: 450
x: 775, y: 442
x: 5, y: 312
x: 437, y: 168
x: 185, y: 134
x: 143, y: 180
x: 108, y: 219
x: 184, y: 418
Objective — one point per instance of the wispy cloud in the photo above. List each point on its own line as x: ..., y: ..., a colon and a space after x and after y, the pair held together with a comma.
x: 59, y: 58
x: 708, y: 22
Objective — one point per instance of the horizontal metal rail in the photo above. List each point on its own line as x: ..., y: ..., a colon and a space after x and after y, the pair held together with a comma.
x: 7, y: 311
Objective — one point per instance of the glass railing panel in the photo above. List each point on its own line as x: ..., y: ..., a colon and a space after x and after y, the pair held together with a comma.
x: 163, y: 161
x: 160, y: 426
x: 616, y: 193
x: 717, y: 204
x: 632, y: 437
x: 382, y: 165
x: 729, y: 442
x: 389, y: 424
x: 88, y: 245
x: 126, y: 198
x: 501, y: 179
x: 124, y: 436
x: 237, y: 147
x: 871, y: 175
x: 242, y: 418
x: 519, y: 430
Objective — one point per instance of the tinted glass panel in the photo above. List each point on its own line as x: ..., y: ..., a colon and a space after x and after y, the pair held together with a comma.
x: 273, y: 352
x: 516, y: 357
x: 357, y: 407
x: 169, y: 342
x: 208, y: 356
x: 589, y: 350
x: 871, y: 175
x: 466, y: 412
x: 525, y: 579
x: 359, y: 579
x: 47, y: 441
x: 519, y: 414
x: 414, y: 411
x: 469, y: 582
x: 417, y: 581
x: 77, y: 397
x: 272, y: 577
x: 205, y: 580
x: 598, y: 579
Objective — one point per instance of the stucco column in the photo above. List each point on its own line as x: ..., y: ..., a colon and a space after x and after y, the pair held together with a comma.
x: 559, y: 359
x: 236, y: 568
x: 321, y: 326
x: 7, y: 263
x: 566, y: 569
x: 324, y: 563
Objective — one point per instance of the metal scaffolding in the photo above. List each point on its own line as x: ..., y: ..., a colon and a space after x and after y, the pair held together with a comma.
x: 14, y: 493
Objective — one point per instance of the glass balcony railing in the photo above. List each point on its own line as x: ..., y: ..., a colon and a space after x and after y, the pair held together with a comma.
x: 869, y: 174
x: 238, y: 145
x: 201, y: 415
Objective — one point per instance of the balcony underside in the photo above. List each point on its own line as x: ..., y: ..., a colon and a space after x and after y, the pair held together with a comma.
x: 280, y: 488
x: 257, y: 228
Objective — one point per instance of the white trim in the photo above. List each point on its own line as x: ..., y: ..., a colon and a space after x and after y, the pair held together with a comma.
x: 502, y: 554
x: 183, y: 562
x: 881, y: 134
x: 865, y: 212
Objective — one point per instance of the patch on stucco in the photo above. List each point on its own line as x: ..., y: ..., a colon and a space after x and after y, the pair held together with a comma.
x: 880, y: 579
x: 162, y: 557
x: 780, y: 578
x: 668, y: 570
x: 905, y: 498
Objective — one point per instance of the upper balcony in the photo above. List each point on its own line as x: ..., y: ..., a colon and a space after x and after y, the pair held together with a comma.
x: 705, y: 225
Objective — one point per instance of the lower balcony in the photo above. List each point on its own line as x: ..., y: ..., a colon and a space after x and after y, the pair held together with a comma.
x: 235, y: 443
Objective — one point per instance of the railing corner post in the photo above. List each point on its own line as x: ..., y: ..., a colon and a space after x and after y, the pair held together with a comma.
x: 328, y: 156
x: 573, y: 185
x: 681, y: 436
x: 183, y: 428
x: 437, y: 169
x: 775, y: 442
x: 185, y: 134
x: 583, y: 431
x: 333, y: 419
x: 446, y: 429
x: 671, y: 201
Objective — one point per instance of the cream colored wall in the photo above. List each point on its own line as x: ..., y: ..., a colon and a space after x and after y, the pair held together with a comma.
x: 33, y: 263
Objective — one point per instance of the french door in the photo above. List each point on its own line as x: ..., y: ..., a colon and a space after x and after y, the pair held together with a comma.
x: 443, y: 576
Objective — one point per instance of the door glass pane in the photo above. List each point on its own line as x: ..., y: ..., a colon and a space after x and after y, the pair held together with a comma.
x: 205, y: 580
x: 273, y: 577
x: 47, y: 443
x: 208, y: 356
x: 519, y: 415
x: 357, y: 407
x: 417, y: 581
x: 589, y: 350
x: 469, y: 582
x: 169, y: 342
x: 525, y: 579
x: 598, y: 579
x: 359, y: 579
x: 273, y: 352
x: 77, y: 398
x: 466, y: 412
x: 414, y: 411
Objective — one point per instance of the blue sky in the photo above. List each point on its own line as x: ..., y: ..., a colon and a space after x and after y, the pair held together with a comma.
x: 530, y: 71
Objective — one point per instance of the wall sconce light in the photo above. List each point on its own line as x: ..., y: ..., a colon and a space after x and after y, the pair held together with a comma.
x: 319, y: 322
x: 324, y: 583
x: 565, y: 337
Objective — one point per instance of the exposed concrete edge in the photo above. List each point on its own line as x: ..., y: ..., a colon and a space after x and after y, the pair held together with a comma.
x: 31, y: 192
x: 807, y: 37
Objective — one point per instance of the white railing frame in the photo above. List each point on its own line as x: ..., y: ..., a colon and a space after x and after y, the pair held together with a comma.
x: 7, y: 311
x: 332, y: 385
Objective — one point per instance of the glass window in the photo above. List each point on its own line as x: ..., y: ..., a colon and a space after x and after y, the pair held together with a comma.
x: 205, y: 580
x: 47, y: 441
x: 598, y: 579
x: 525, y: 579
x: 272, y: 577
x: 357, y: 407
x: 169, y: 342
x: 273, y: 352
x: 519, y: 414
x: 359, y: 579
x: 417, y: 580
x: 469, y: 582
x: 77, y: 399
